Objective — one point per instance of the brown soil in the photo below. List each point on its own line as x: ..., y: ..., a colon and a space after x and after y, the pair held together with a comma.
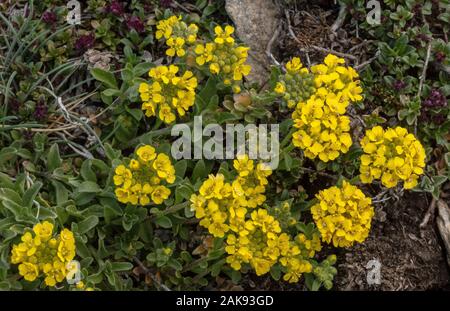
x: 411, y: 258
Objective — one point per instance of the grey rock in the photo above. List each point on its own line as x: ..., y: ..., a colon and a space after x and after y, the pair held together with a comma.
x: 255, y: 23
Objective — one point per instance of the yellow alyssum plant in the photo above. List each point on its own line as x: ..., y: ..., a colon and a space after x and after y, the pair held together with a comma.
x: 343, y: 215
x: 340, y: 80
x: 40, y: 252
x: 260, y: 242
x: 215, y: 196
x: 144, y: 178
x: 168, y: 93
x: 323, y: 130
x: 392, y: 155
x: 224, y: 57
x: 297, y: 84
x: 323, y: 127
x: 177, y: 35
x: 232, y: 210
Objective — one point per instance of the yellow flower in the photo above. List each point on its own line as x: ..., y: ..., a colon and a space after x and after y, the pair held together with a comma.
x: 176, y: 47
x: 176, y: 33
x: 80, y: 285
x: 122, y: 175
x: 392, y: 155
x: 204, y: 53
x: 280, y: 88
x: 66, y: 251
x: 294, y: 65
x: 150, y: 170
x: 224, y: 35
x: 146, y: 153
x: 343, y: 215
x: 134, y: 164
x: 55, y: 273
x: 43, y: 230
x: 29, y: 271
x: 243, y: 165
x: 214, y: 68
x: 332, y: 60
x: 323, y: 131
x: 44, y: 254
x: 164, y: 168
x: 160, y: 194
x: 169, y: 93
x: 224, y: 57
x: 296, y: 85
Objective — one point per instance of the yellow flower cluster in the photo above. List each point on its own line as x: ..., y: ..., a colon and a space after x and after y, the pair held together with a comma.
x: 343, y: 215
x: 176, y: 33
x: 257, y: 241
x: 340, y: 80
x: 40, y: 252
x: 225, y: 57
x: 168, y: 93
x: 254, y: 238
x: 260, y: 242
x: 140, y: 182
x: 212, y: 205
x: 249, y: 185
x: 391, y: 155
x: 297, y: 85
x: 323, y: 127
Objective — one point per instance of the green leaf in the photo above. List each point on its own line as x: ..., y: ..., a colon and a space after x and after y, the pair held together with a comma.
x: 288, y: 161
x: 104, y: 76
x: 53, y: 158
x: 180, y: 168
x: 199, y: 171
x: 275, y: 272
x: 142, y: 68
x: 121, y: 266
x: 164, y: 222
x: 175, y: 264
x: 87, y: 224
x: 210, y: 9
x: 89, y: 187
x: 87, y: 173
x: 137, y: 114
x: 111, y: 153
x: 13, y: 202
x: 31, y: 193
x: 111, y: 92
x: 61, y: 192
x: 184, y: 191
x: 204, y: 96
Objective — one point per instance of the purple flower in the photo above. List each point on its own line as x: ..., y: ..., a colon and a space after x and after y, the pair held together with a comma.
x: 115, y: 8
x: 49, y: 17
x: 85, y: 42
x: 28, y: 135
x: 435, y: 100
x: 135, y: 23
x: 438, y: 119
x: 399, y: 85
x: 40, y: 111
x: 440, y: 56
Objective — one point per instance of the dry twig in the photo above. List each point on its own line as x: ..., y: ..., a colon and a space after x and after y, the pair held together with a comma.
x: 270, y: 44
x: 150, y: 274
x: 428, y: 214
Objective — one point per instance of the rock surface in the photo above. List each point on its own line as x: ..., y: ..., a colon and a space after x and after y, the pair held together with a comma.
x: 256, y: 22
x: 443, y: 224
